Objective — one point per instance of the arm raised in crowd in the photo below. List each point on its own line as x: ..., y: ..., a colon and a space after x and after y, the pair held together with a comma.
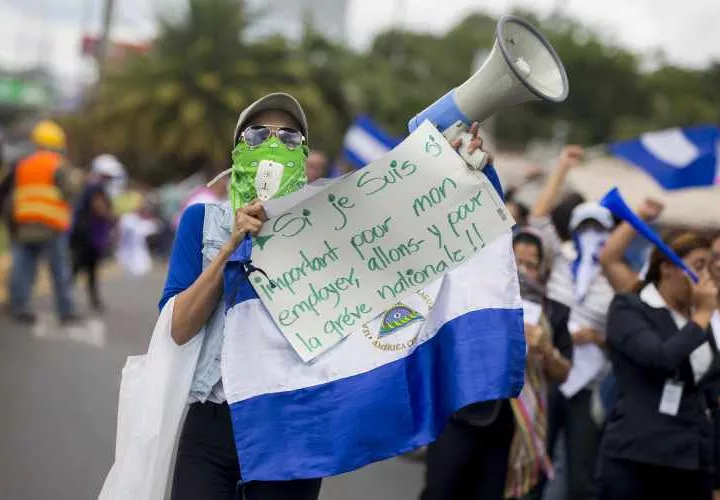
x: 550, y: 194
x: 631, y: 333
x: 549, y: 197
x: 612, y: 257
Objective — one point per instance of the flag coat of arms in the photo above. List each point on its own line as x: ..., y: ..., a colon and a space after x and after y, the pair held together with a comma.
x: 386, y: 389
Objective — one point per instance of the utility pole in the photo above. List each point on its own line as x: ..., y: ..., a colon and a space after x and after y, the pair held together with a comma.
x: 108, y: 7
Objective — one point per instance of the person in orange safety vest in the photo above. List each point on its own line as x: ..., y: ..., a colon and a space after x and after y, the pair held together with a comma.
x: 41, y: 212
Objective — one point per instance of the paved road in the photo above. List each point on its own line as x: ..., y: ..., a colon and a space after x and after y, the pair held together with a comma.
x: 59, y: 389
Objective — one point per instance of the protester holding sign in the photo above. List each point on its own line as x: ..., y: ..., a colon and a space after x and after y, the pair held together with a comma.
x: 308, y: 312
x: 274, y: 128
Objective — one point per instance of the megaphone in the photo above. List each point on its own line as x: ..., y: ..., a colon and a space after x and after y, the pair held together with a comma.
x: 614, y: 202
x: 522, y: 66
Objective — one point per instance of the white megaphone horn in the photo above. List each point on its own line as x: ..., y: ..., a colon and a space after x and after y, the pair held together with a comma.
x: 522, y: 66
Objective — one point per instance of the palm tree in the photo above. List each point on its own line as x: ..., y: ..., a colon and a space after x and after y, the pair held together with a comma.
x: 182, y: 99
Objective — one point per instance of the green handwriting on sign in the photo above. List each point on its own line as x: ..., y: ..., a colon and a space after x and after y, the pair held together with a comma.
x: 341, y: 257
x: 371, y: 182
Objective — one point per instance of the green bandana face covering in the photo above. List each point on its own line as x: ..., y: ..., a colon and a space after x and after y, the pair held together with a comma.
x: 269, y: 170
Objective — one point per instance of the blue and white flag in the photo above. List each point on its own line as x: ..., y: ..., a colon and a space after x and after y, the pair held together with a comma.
x: 365, y: 142
x: 388, y: 388
x: 676, y: 158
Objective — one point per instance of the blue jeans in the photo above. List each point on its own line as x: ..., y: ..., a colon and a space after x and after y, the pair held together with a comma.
x: 25, y: 258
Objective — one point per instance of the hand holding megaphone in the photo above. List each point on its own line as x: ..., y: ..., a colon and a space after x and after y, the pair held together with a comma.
x: 469, y: 147
x: 522, y: 66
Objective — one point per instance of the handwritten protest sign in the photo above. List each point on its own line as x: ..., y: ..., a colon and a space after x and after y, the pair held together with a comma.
x: 343, y: 256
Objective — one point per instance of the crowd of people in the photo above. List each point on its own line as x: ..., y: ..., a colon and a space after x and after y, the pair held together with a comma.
x: 621, y: 382
x: 622, y: 378
x: 621, y: 390
x: 56, y: 212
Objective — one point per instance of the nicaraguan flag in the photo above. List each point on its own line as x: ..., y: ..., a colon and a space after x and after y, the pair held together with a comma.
x: 388, y: 388
x: 365, y: 142
x: 677, y: 158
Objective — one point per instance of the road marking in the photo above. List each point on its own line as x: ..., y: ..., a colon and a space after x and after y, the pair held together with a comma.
x: 92, y: 331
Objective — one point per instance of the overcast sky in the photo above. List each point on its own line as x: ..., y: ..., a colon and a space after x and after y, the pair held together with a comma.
x: 50, y: 30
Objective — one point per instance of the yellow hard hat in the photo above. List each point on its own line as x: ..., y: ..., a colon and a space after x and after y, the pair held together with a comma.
x: 48, y: 134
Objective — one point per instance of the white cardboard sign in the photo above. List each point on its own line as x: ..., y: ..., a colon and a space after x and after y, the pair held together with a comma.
x: 349, y: 252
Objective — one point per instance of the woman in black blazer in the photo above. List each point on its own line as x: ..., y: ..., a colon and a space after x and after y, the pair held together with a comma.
x: 659, y: 439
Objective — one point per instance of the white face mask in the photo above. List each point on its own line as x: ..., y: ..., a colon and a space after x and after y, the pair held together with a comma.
x: 586, y: 266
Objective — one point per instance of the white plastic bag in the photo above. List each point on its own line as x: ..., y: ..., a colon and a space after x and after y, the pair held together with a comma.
x: 153, y: 395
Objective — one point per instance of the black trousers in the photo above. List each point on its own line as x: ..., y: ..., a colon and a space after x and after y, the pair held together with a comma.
x: 468, y: 462
x: 207, y: 463
x: 582, y: 439
x: 88, y: 259
x: 626, y: 480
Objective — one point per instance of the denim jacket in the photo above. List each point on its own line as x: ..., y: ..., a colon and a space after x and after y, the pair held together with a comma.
x: 216, y: 231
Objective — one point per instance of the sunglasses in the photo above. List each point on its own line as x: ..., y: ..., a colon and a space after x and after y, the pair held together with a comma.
x: 255, y: 135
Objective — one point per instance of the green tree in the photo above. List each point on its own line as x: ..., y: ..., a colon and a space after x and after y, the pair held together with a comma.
x: 404, y: 72
x: 678, y: 97
x: 181, y: 101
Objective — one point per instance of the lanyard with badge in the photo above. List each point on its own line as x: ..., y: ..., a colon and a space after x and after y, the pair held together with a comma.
x: 671, y: 396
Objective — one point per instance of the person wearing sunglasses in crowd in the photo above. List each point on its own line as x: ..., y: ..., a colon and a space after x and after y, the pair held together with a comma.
x: 548, y: 359
x: 274, y: 128
x: 269, y: 157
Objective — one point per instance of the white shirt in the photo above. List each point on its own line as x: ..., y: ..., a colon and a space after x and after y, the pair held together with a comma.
x: 702, y: 357
x: 591, y: 312
x: 590, y: 364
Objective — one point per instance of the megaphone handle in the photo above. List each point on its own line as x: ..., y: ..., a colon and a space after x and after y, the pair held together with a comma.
x: 478, y: 159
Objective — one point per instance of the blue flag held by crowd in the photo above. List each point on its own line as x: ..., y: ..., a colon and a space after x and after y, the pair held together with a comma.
x: 676, y: 158
x: 365, y: 142
x: 382, y: 392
